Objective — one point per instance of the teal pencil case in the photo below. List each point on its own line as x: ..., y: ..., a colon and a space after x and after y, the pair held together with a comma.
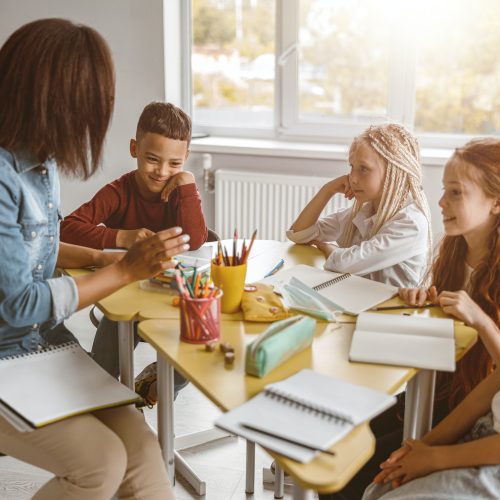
x: 282, y: 340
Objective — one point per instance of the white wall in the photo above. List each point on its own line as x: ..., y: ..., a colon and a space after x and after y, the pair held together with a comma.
x: 307, y: 167
x: 134, y: 31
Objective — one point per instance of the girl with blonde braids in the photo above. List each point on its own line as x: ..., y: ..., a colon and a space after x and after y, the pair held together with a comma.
x: 385, y: 235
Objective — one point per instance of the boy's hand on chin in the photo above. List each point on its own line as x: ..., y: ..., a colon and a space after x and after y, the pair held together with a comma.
x: 176, y: 180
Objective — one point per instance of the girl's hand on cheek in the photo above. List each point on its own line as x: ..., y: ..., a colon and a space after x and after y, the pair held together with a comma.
x: 348, y: 192
x: 339, y: 185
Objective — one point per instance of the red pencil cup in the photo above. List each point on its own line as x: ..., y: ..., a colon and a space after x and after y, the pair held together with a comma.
x: 200, y: 319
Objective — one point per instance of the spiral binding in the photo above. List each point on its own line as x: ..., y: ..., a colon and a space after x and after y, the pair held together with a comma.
x: 304, y: 405
x: 333, y: 281
x: 67, y: 346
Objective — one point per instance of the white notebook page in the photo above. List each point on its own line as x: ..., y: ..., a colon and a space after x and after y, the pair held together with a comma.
x: 353, y: 294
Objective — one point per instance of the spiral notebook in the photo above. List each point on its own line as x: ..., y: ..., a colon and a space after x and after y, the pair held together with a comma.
x: 46, y: 386
x: 304, y: 414
x: 340, y: 292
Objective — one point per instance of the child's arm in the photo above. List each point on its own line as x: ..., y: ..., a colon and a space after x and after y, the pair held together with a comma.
x: 463, y: 417
x: 448, y: 431
x: 423, y: 459
x: 186, y: 203
x: 82, y: 226
x: 460, y: 305
x: 313, y: 209
x: 398, y: 240
x: 74, y: 256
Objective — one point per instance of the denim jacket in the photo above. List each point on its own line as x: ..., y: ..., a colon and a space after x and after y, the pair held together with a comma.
x: 31, y: 300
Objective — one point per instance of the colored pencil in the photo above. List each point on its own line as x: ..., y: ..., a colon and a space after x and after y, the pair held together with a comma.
x: 243, y: 252
x: 404, y: 306
x: 251, y: 244
x: 235, y: 256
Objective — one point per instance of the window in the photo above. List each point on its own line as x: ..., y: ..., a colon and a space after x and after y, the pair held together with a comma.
x: 232, y: 62
x: 327, y: 69
x: 458, y: 68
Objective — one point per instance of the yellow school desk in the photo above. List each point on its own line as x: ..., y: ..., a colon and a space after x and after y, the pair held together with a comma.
x: 228, y: 388
x: 132, y: 303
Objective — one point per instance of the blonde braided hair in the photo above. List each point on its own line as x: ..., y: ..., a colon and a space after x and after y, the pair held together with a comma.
x: 403, y: 178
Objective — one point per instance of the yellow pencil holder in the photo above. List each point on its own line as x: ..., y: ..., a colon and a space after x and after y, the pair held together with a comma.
x: 231, y: 280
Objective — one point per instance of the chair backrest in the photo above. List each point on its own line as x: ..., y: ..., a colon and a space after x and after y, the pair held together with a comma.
x: 212, y: 236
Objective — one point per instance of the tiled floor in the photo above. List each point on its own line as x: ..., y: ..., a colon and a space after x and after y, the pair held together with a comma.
x: 221, y: 464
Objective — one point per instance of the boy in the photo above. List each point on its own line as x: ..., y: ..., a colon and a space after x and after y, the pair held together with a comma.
x: 158, y: 195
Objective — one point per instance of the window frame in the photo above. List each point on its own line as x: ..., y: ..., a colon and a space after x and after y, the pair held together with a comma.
x: 287, y: 125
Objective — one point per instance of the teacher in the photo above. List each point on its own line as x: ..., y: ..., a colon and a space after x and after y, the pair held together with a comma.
x: 56, y: 99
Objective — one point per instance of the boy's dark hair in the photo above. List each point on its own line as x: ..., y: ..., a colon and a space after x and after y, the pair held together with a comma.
x: 165, y: 119
x: 57, y: 89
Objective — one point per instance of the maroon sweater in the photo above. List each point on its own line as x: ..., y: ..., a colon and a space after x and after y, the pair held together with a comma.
x: 119, y: 205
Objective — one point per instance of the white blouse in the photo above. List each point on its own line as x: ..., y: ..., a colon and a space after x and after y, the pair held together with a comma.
x: 495, y: 409
x: 396, y: 255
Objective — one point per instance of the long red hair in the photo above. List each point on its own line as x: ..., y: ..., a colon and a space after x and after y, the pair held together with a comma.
x: 480, y: 160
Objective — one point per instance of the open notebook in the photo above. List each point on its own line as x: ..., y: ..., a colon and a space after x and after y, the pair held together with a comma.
x: 309, y: 408
x: 340, y: 292
x: 413, y: 341
x: 43, y: 387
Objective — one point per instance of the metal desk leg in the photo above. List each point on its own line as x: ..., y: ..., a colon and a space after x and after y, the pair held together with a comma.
x: 165, y: 385
x: 166, y: 429
x: 279, y: 481
x: 299, y: 493
x: 250, y: 468
x: 419, y: 404
x: 126, y: 352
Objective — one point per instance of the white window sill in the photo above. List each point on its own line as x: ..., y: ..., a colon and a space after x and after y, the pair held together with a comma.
x: 287, y: 149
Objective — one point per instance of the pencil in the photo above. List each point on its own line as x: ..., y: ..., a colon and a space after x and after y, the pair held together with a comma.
x: 219, y: 253
x: 186, y: 282
x: 404, y: 306
x: 243, y: 252
x: 193, y: 281
x: 251, y: 244
x: 289, y: 440
x: 227, y: 262
x: 182, y: 289
x: 205, y: 288
x: 197, y: 285
x: 235, y: 239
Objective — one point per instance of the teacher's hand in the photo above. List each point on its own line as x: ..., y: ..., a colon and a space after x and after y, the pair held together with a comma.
x: 152, y: 255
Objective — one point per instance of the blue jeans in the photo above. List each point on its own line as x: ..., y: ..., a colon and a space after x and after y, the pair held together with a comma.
x: 57, y: 335
x: 105, y: 351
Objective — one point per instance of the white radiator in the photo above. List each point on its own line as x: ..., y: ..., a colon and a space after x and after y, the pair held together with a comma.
x: 266, y: 202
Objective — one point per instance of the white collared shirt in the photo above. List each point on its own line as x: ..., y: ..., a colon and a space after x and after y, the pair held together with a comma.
x: 495, y: 409
x: 397, y: 254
